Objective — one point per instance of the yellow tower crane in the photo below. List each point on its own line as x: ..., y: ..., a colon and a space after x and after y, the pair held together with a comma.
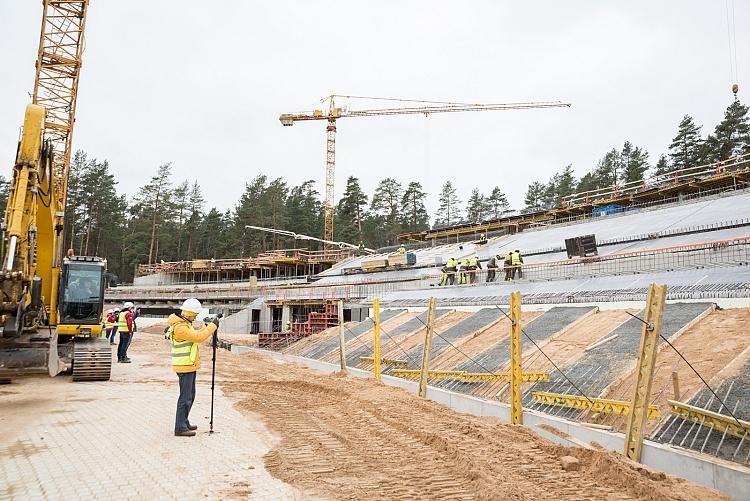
x: 414, y: 107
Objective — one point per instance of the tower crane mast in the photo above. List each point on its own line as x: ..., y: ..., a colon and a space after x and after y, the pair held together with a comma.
x: 415, y: 107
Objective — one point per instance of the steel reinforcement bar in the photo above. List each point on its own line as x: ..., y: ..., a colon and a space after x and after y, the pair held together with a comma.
x: 719, y: 422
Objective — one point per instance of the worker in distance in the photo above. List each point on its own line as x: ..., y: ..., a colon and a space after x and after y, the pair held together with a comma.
x: 186, y: 359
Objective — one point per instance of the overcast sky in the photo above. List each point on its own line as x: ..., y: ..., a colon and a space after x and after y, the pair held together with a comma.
x: 201, y: 85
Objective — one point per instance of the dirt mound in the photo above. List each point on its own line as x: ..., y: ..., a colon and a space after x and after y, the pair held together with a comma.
x: 348, y: 438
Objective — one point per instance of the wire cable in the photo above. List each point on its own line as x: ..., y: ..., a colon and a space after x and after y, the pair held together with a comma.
x: 549, y: 359
x: 478, y: 364
x: 399, y: 346
x: 691, y: 368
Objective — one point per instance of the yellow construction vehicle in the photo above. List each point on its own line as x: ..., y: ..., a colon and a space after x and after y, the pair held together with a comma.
x: 51, y: 306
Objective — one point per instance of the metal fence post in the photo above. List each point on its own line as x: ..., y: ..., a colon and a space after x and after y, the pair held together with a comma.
x: 427, y: 347
x: 342, y: 353
x: 645, y: 370
x: 516, y: 409
x: 376, y: 339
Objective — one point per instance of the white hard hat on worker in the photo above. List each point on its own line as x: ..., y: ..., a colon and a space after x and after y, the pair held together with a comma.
x: 191, y: 305
x: 127, y: 305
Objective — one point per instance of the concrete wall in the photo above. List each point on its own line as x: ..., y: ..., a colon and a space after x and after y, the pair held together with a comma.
x: 734, y: 480
x: 155, y: 279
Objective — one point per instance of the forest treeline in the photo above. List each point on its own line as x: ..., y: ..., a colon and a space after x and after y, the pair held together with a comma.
x: 169, y: 219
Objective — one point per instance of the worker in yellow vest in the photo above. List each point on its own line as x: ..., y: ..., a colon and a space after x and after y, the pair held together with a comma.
x: 508, y: 266
x: 462, y: 269
x: 449, y: 275
x: 402, y: 249
x: 474, y: 265
x: 125, y: 326
x: 186, y: 359
x: 516, y: 262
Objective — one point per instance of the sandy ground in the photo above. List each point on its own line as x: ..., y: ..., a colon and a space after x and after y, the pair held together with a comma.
x: 349, y: 438
x: 708, y: 359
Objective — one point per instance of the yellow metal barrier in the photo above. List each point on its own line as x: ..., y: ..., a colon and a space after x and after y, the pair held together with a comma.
x: 710, y: 419
x: 600, y: 405
x: 390, y: 362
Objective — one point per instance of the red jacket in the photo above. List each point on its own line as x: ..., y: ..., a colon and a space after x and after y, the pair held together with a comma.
x: 111, y: 320
x: 129, y: 320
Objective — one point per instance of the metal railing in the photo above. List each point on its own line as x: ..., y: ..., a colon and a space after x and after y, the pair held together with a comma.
x: 717, y: 253
x: 274, y: 257
x: 735, y: 164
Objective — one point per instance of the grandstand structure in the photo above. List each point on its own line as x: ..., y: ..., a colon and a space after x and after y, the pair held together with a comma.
x: 582, y: 315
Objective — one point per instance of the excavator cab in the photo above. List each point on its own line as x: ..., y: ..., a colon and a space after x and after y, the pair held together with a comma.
x: 81, y: 298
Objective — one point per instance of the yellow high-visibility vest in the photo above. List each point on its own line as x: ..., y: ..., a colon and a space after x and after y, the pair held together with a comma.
x: 183, y: 353
x: 516, y: 258
x: 122, y: 323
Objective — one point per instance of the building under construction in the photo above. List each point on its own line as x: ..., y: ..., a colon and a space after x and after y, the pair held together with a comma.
x: 583, y: 296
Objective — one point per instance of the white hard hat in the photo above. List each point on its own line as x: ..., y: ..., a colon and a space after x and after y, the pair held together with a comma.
x: 127, y: 305
x: 192, y: 305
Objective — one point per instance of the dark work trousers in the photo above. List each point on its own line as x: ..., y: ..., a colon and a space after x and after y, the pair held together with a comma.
x: 491, y: 273
x: 185, y: 401
x: 112, y: 334
x: 122, y: 348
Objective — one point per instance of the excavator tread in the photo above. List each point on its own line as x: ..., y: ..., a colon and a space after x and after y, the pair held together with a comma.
x: 92, y: 360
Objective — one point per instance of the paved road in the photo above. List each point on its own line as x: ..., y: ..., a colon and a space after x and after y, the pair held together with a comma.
x: 114, y: 440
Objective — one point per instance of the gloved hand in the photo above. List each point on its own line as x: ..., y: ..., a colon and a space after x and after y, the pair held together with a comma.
x: 215, y: 321
x: 206, y: 320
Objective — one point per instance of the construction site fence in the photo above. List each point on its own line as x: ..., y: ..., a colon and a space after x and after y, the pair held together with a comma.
x: 719, y: 253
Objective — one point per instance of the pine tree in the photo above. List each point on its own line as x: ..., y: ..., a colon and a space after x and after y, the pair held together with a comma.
x: 733, y: 133
x: 4, y: 192
x: 449, y: 206
x: 496, y: 203
x: 195, y: 214
x: 249, y: 211
x: 566, y: 182
x: 304, y: 211
x: 662, y: 166
x: 550, y: 197
x: 385, y: 207
x: 534, y: 198
x: 634, y: 163
x: 351, y: 213
x: 151, y: 201
x: 414, y: 216
x: 608, y: 169
x: 475, y: 207
x: 181, y: 202
x: 587, y: 183
x: 684, y: 151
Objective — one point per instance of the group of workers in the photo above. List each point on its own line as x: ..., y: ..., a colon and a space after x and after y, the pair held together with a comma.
x: 122, y: 321
x: 459, y: 273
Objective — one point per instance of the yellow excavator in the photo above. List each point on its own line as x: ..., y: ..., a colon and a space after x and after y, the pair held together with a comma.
x: 51, y: 306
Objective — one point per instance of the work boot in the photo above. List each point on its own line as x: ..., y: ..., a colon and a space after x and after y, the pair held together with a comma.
x: 192, y: 427
x: 187, y: 433
x: 125, y: 360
